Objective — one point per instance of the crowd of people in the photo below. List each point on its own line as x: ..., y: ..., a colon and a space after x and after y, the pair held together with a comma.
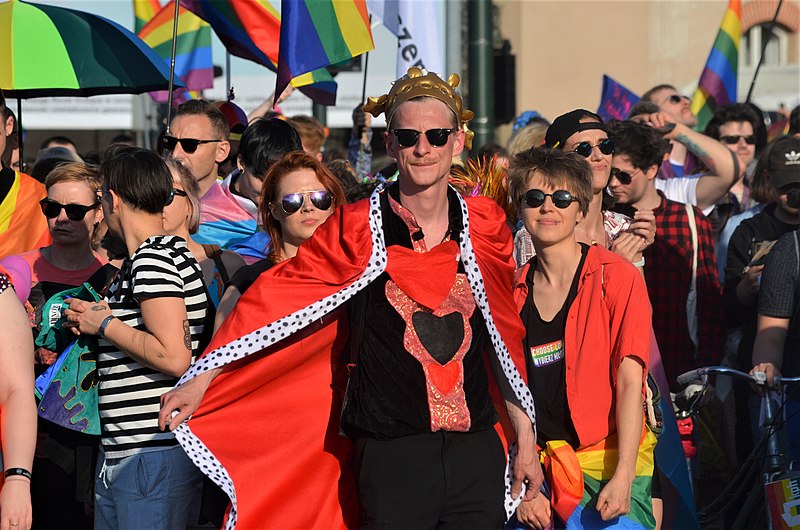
x: 262, y: 331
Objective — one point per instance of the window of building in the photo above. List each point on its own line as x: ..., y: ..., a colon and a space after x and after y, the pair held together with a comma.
x: 752, y: 41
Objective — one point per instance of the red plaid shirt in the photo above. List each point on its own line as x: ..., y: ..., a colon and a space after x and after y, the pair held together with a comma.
x: 668, y: 271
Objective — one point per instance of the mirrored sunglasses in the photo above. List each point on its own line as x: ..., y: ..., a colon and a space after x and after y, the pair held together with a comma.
x: 189, y: 145
x: 733, y: 139
x: 75, y: 212
x: 585, y: 148
x: 322, y: 200
x: 409, y: 137
x: 561, y: 198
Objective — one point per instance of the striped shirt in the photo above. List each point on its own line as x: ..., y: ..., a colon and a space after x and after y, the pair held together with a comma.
x: 129, y: 393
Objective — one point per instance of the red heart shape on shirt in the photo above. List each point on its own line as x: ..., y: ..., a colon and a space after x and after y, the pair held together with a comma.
x: 444, y: 377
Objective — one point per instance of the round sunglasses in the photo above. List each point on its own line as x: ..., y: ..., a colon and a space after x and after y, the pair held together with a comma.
x: 585, y: 148
x: 189, y: 145
x: 733, y: 139
x: 75, y: 212
x: 561, y: 198
x: 409, y: 137
x: 322, y: 200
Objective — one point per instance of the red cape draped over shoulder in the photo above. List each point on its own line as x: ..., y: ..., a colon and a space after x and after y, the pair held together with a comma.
x: 269, y: 423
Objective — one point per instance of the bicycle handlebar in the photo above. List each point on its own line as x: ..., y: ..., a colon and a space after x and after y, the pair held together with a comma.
x: 700, y: 374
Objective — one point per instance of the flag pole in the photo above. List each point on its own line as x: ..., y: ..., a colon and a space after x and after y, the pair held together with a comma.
x: 366, y: 64
x: 19, y: 135
x: 228, y: 74
x: 763, y: 52
x: 172, y: 62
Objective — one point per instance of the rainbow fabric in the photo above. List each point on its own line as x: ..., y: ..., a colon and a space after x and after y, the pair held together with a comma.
x: 193, y: 63
x: 575, y: 479
x: 318, y: 33
x: 144, y: 11
x: 250, y: 29
x: 718, y: 82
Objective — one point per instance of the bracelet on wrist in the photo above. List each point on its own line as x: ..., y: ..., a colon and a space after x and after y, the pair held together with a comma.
x: 639, y: 263
x: 104, y: 324
x: 17, y: 472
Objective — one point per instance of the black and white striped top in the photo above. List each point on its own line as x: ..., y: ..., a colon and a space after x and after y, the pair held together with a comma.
x: 129, y: 393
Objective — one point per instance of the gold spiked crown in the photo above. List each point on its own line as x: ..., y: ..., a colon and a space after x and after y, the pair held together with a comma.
x: 420, y: 83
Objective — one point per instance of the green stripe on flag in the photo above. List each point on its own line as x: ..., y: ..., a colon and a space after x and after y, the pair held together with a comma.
x: 330, y: 34
x: 725, y: 45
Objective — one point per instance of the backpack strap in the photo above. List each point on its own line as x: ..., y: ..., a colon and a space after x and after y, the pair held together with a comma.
x: 215, y: 253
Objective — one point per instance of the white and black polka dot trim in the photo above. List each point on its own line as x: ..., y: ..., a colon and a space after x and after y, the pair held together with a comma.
x: 515, y: 380
x: 268, y: 335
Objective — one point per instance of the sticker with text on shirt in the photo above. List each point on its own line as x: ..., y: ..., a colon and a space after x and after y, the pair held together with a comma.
x: 549, y: 353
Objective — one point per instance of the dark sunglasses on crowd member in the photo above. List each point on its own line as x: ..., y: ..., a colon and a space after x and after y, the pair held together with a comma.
x: 561, y: 198
x: 409, y: 137
x: 322, y: 200
x: 733, y: 139
x: 172, y: 194
x: 623, y: 177
x: 792, y: 192
x: 677, y: 98
x: 585, y: 148
x: 75, y: 212
x: 189, y: 145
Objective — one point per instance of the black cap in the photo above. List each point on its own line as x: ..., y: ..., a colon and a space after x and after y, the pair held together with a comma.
x: 568, y: 124
x: 783, y: 166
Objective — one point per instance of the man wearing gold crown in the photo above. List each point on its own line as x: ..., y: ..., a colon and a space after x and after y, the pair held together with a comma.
x: 393, y: 325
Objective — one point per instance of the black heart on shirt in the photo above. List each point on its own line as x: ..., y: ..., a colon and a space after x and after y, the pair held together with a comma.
x: 441, y: 336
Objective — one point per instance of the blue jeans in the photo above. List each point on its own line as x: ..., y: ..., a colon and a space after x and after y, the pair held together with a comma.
x: 153, y: 490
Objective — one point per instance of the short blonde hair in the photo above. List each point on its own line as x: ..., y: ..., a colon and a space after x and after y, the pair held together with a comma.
x: 75, y: 172
x: 192, y: 189
x: 526, y: 138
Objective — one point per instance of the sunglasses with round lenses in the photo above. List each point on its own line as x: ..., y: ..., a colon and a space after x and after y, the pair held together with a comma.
x: 322, y: 200
x: 189, y: 145
x: 561, y: 198
x: 409, y: 137
x: 75, y: 212
x: 677, y: 98
x: 733, y: 139
x: 585, y: 148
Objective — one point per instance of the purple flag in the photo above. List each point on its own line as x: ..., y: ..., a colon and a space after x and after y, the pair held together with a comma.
x: 616, y: 100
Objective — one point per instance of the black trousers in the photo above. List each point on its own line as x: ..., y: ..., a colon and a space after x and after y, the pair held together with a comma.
x: 441, y: 480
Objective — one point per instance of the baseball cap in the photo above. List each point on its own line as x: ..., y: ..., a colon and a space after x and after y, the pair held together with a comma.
x: 568, y: 124
x: 783, y: 165
x: 235, y: 116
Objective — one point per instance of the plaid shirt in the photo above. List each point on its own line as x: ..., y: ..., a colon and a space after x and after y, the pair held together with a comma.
x: 668, y: 271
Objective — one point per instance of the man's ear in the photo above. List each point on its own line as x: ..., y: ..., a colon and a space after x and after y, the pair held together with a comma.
x: 223, y: 151
x: 9, y: 125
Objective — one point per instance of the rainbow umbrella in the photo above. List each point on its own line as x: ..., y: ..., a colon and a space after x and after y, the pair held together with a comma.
x: 55, y: 51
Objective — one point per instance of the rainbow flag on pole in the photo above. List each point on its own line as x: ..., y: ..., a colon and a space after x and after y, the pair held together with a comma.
x: 193, y: 62
x: 318, y: 33
x: 144, y: 11
x: 250, y: 29
x: 718, y: 82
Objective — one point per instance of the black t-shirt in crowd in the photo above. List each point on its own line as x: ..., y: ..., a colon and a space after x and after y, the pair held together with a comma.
x: 544, y: 361
x: 387, y: 394
x: 247, y: 275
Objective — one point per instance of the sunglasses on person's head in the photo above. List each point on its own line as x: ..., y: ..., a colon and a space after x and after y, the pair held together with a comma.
x: 561, y: 198
x: 322, y: 200
x: 623, y: 177
x: 75, y: 212
x: 189, y: 145
x: 409, y: 137
x: 585, y: 148
x: 733, y: 139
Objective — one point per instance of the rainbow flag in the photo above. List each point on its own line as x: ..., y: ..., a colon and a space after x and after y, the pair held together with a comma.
x: 318, y: 33
x: 250, y: 29
x: 718, y: 82
x: 144, y: 11
x: 193, y: 63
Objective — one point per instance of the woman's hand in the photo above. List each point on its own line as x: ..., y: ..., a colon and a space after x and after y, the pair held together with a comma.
x: 179, y: 404
x: 628, y: 246
x: 536, y: 513
x: 15, y: 504
x: 86, y: 317
x: 615, y: 497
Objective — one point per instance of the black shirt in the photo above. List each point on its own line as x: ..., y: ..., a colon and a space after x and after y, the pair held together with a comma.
x: 544, y: 361
x: 247, y: 275
x: 387, y: 394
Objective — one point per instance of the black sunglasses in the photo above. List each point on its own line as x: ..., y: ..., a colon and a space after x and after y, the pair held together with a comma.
x: 322, y: 200
x: 409, y: 137
x: 561, y: 198
x: 75, y: 212
x: 585, y: 148
x: 733, y: 139
x: 623, y: 177
x: 172, y: 194
x: 189, y: 145
x: 677, y: 98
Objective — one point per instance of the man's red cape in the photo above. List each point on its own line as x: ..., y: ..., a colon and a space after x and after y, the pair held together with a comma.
x: 271, y: 418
